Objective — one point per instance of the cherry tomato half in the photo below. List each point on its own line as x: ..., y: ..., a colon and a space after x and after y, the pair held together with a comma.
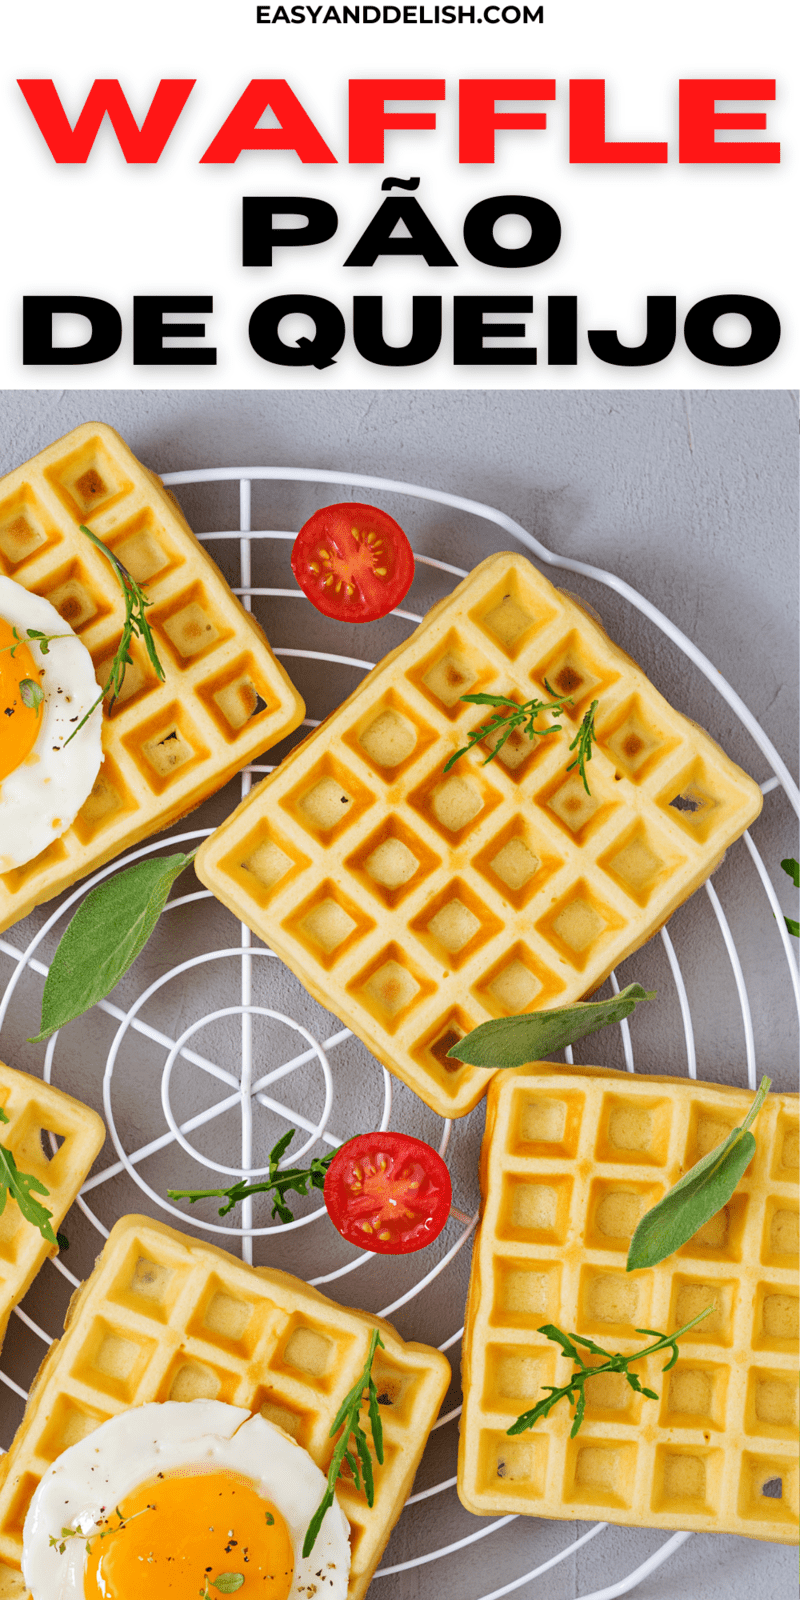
x: 388, y: 1192
x: 353, y: 562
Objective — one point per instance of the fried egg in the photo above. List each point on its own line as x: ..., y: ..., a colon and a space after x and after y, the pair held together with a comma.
x: 165, y: 1499
x: 43, y: 780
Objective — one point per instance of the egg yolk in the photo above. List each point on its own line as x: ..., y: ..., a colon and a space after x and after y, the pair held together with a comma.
x: 19, y: 724
x: 179, y: 1534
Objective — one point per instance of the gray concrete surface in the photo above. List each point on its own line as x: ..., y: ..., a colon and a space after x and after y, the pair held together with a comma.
x: 692, y: 497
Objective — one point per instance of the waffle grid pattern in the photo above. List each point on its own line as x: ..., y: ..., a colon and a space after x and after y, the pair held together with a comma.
x: 415, y: 905
x: 567, y: 1167
x: 167, y: 745
x: 35, y: 1111
x: 167, y: 1317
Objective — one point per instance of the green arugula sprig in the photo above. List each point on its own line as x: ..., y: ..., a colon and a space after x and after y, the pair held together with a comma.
x: 582, y: 743
x: 22, y: 1187
x: 575, y: 1390
x: 58, y: 1541
x: 792, y: 868
x: 299, y: 1179
x: 510, y: 715
x: 698, y: 1195
x: 348, y: 1419
x: 136, y: 603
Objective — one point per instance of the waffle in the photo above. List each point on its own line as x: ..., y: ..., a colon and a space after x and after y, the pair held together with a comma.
x: 415, y: 905
x: 35, y: 1109
x: 167, y: 1317
x: 568, y: 1164
x: 167, y: 745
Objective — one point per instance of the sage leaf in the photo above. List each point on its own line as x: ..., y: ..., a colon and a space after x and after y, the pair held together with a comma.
x: 104, y: 938
x: 513, y: 1041
x: 228, y: 1582
x: 698, y: 1195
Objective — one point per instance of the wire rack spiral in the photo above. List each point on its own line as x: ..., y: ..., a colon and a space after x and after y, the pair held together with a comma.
x: 244, y: 964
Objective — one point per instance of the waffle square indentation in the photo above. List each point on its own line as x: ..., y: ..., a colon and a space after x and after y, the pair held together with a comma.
x: 526, y: 1292
x: 455, y: 924
x: 599, y: 1472
x: 25, y: 530
x: 520, y: 1463
x: 635, y: 1131
x: 390, y: 986
x: 687, y: 1480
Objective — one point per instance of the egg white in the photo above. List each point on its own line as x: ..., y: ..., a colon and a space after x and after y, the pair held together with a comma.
x: 41, y: 798
x: 131, y: 1448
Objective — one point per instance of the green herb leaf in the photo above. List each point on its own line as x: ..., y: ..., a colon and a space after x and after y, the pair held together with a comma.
x: 299, y: 1179
x: 509, y: 715
x: 575, y: 1389
x: 794, y: 926
x: 349, y: 1420
x: 22, y: 1187
x: 104, y: 938
x: 228, y: 1582
x: 31, y: 694
x: 135, y: 624
x: 513, y: 1041
x: 62, y: 1241
x: 698, y: 1196
x: 582, y: 743
x: 792, y: 867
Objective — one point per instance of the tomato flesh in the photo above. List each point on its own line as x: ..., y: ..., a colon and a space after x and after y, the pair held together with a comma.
x: 388, y: 1193
x: 353, y: 562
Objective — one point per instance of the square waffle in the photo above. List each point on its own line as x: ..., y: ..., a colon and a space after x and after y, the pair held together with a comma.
x: 569, y: 1163
x: 34, y: 1109
x: 166, y: 1317
x: 416, y: 905
x: 167, y: 746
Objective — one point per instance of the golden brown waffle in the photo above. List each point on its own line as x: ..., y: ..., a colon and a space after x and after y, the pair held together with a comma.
x: 167, y: 745
x: 166, y: 1317
x: 415, y: 905
x: 569, y: 1163
x: 34, y: 1109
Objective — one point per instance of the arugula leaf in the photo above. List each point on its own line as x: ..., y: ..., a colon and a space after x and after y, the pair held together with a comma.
x: 698, y: 1195
x: 22, y: 1187
x: 575, y: 1389
x: 104, y: 938
x: 513, y: 1041
x: 348, y: 1419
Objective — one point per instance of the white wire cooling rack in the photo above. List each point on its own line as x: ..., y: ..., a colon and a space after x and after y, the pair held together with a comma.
x: 243, y: 961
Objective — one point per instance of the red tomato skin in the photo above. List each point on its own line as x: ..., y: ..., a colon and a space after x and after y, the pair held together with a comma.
x: 329, y: 530
x: 408, y: 1162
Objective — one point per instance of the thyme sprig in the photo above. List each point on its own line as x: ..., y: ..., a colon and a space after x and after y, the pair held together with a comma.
x: 58, y: 1541
x: 224, y: 1583
x: 582, y: 743
x: 135, y: 624
x: 575, y: 1389
x: 22, y: 1186
x: 35, y: 635
x: 510, y: 715
x: 299, y: 1179
x: 349, y: 1420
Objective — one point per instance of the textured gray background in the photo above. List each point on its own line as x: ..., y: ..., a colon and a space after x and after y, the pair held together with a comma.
x: 692, y: 497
